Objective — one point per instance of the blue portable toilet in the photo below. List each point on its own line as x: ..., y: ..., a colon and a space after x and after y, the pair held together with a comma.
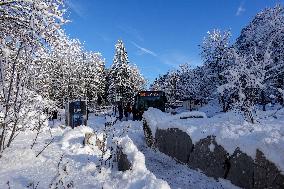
x: 76, y: 113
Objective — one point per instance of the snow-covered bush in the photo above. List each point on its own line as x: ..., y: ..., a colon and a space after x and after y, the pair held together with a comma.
x: 244, y: 81
x: 27, y: 30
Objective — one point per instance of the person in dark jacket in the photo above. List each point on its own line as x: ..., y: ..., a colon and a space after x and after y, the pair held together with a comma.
x: 134, y: 113
x: 114, y: 109
x: 126, y: 113
x: 120, y: 111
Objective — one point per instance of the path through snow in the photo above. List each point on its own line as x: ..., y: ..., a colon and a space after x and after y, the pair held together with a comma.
x: 163, y: 166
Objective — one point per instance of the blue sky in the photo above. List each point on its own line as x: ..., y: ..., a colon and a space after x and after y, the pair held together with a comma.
x: 159, y: 35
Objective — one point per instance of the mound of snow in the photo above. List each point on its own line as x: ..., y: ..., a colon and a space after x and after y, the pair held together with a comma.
x: 72, y: 142
x: 193, y: 114
x: 138, y: 176
x: 74, y: 136
x: 155, y: 116
x: 80, y: 164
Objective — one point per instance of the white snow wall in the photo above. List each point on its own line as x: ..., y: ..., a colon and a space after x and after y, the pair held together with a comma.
x: 214, y: 160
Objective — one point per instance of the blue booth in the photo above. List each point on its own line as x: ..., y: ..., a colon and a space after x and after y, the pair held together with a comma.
x: 76, y: 113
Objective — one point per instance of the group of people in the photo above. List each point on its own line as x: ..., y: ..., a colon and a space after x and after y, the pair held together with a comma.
x: 125, y: 110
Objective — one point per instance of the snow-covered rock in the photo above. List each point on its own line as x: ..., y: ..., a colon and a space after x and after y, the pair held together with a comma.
x: 138, y: 173
x: 224, y: 146
x: 231, y: 131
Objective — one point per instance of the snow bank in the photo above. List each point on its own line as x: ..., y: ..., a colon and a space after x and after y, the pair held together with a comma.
x: 193, y: 114
x: 73, y: 137
x: 20, y: 166
x: 138, y: 176
x: 72, y: 142
x: 135, y: 157
x: 231, y: 131
x: 156, y: 116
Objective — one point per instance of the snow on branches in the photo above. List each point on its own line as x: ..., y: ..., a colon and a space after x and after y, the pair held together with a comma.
x: 124, y: 79
x: 27, y: 28
x: 240, y: 75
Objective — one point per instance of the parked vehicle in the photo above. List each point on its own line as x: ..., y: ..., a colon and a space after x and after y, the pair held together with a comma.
x: 145, y: 99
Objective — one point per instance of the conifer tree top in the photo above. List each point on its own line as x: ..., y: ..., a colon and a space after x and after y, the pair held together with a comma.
x: 120, y: 56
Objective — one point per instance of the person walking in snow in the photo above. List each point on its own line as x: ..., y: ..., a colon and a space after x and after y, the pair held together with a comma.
x: 120, y: 110
x: 129, y: 109
x: 126, y: 112
x: 114, y: 109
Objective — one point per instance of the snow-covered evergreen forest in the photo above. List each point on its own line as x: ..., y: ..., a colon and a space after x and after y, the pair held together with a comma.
x: 42, y: 69
x: 241, y: 74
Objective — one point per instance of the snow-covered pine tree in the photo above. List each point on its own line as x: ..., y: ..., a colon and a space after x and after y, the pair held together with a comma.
x: 189, y: 83
x: 122, y: 77
x: 245, y: 78
x: 168, y: 83
x: 265, y: 32
x: 119, y: 75
x: 100, y: 75
x: 93, y: 76
x: 171, y: 88
x: 215, y: 53
x: 138, y: 82
x: 66, y: 71
x: 158, y: 84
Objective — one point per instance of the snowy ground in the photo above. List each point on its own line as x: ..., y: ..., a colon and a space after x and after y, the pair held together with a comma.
x: 178, y: 175
x: 164, y: 167
x: 67, y: 162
